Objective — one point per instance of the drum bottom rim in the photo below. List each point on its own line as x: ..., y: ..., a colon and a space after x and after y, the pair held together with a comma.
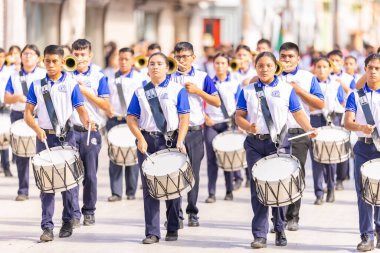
x: 293, y: 200
x: 63, y: 189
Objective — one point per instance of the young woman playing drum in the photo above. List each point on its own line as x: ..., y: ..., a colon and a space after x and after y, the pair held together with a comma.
x: 281, y: 98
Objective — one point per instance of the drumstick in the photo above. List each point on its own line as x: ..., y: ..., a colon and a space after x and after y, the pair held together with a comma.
x: 301, y: 135
x: 150, y: 158
x: 88, y: 133
x: 48, y: 149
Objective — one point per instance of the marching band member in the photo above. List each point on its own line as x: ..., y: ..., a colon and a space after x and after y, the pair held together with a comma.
x: 350, y: 67
x: 152, y: 49
x: 65, y: 97
x: 263, y: 45
x: 281, y: 99
x: 14, y: 54
x: 215, y: 123
x: 174, y: 114
x: 307, y: 88
x: 129, y: 80
x: 94, y: 87
x: 200, y: 88
x: 333, y: 92
x: 16, y: 91
x: 356, y: 119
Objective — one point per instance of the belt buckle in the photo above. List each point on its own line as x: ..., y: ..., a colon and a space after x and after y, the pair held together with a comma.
x: 261, y: 137
x: 119, y: 118
x: 367, y: 140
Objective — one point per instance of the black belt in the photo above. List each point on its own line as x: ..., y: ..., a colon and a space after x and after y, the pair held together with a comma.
x: 118, y: 118
x: 366, y: 140
x: 82, y: 128
x: 296, y: 131
x: 194, y: 128
x: 261, y: 137
x: 49, y: 131
x: 316, y: 115
x: 158, y: 133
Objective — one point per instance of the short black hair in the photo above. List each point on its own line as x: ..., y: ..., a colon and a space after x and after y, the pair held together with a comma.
x: 81, y: 44
x: 14, y: 47
x: 264, y: 41
x: 154, y: 46
x: 241, y: 46
x: 67, y: 47
x: 221, y: 54
x: 268, y: 54
x: 54, y: 49
x: 350, y: 57
x: 370, y: 58
x: 290, y: 46
x: 160, y: 54
x: 126, y: 50
x: 32, y: 47
x: 322, y: 58
x: 336, y: 52
x: 183, y: 46
x: 378, y: 50
x: 2, y: 50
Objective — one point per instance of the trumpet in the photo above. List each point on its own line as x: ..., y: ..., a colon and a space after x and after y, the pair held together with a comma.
x: 9, y: 61
x: 174, y: 66
x: 40, y: 63
x: 70, y: 63
x: 279, y: 68
x: 235, y: 65
x: 332, y: 65
x: 141, y: 62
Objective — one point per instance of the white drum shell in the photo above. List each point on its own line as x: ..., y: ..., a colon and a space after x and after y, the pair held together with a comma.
x: 371, y: 183
x: 4, y: 131
x: 22, y: 144
x: 125, y: 153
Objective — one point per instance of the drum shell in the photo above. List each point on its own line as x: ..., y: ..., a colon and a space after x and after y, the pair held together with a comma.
x: 122, y: 156
x: 280, y: 192
x: 370, y: 187
x: 332, y: 152
x: 5, y: 132
x: 173, y: 185
x: 22, y: 146
x: 230, y: 160
x: 59, y: 177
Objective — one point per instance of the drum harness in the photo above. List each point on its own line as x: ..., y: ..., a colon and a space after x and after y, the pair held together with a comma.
x: 228, y: 119
x: 120, y: 92
x: 60, y: 132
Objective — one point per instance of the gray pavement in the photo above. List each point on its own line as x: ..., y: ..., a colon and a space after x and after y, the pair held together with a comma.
x: 224, y: 226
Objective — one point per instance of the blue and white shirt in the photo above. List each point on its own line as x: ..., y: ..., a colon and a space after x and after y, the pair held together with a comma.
x: 281, y: 99
x: 5, y: 73
x: 97, y: 84
x: 240, y: 76
x: 349, y: 81
x: 203, y: 82
x: 14, y: 86
x: 333, y: 93
x: 129, y: 82
x: 61, y: 91
x: 307, y: 82
x: 228, y: 90
x: 353, y: 105
x: 173, y: 100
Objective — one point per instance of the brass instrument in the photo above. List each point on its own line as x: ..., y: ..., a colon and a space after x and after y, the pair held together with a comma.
x: 235, y: 65
x: 141, y: 62
x: 331, y: 64
x: 8, y: 61
x: 279, y: 68
x: 40, y: 63
x: 254, y: 53
x: 173, y: 65
x: 70, y: 63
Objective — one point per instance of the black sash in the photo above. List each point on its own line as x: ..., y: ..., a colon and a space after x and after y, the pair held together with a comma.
x: 155, y: 107
x: 222, y: 106
x: 120, y: 91
x: 23, y: 83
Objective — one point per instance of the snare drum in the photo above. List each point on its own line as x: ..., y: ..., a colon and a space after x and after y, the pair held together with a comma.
x: 122, y: 148
x: 170, y: 176
x: 62, y: 174
x: 4, y: 131
x: 23, y: 139
x: 371, y: 182
x: 229, y: 150
x: 332, y: 145
x: 278, y: 180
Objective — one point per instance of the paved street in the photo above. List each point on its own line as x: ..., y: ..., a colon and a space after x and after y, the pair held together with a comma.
x: 225, y: 226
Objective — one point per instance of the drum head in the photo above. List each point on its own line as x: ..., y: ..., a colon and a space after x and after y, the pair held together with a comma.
x: 121, y: 136
x: 275, y: 167
x: 164, y: 162
x: 371, y: 170
x: 59, y: 156
x: 20, y: 128
x: 332, y: 134
x: 229, y: 141
x: 5, y: 123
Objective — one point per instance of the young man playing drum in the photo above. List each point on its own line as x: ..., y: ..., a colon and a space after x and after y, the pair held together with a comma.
x: 53, y: 116
x: 200, y: 88
x: 15, y: 94
x: 362, y: 116
x: 281, y: 99
x: 120, y: 97
x: 94, y: 87
x: 159, y: 123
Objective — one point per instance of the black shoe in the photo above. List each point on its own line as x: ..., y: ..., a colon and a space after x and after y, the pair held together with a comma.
x: 237, y: 185
x: 180, y: 224
x: 319, y: 201
x: 193, y: 220
x: 150, y: 239
x: 171, y: 236
x: 292, y: 225
x: 8, y: 173
x: 211, y: 199
x: 281, y: 239
x: 75, y: 223
x: 339, y: 185
x: 21, y: 197
x: 66, y: 230
x: 229, y: 196
x: 259, y: 243
x: 114, y: 198
x: 89, y: 219
x: 131, y: 197
x: 378, y: 240
x: 47, y: 235
x: 366, y: 244
x: 330, y: 196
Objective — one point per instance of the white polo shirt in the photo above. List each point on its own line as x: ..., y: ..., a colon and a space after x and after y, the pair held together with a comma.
x: 228, y: 90
x: 5, y: 73
x: 173, y: 99
x: 353, y: 105
x: 97, y: 84
x: 281, y: 99
x: 349, y: 81
x: 129, y: 83
x: 203, y: 82
x: 333, y: 93
x: 65, y: 95
x: 240, y: 76
x: 14, y: 84
x: 306, y: 81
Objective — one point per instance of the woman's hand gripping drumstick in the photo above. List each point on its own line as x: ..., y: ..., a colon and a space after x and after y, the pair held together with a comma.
x: 312, y: 133
x: 48, y: 149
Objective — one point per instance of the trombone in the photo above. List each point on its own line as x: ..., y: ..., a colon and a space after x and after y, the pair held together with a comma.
x: 279, y: 68
x: 141, y: 62
x: 8, y: 61
x: 70, y: 63
x: 235, y: 65
x: 174, y: 66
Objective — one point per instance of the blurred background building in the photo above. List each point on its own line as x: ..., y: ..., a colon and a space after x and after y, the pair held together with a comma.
x: 322, y: 24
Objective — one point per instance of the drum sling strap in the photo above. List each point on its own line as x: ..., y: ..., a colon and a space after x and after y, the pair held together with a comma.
x: 59, y: 132
x: 23, y: 83
x: 120, y: 91
x: 223, y: 107
x: 369, y: 117
x: 268, y: 117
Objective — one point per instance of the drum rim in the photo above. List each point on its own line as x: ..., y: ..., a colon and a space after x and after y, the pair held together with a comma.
x: 346, y: 139
x: 365, y: 164
x: 71, y: 148
x: 18, y: 122
x: 120, y: 126
x: 218, y: 136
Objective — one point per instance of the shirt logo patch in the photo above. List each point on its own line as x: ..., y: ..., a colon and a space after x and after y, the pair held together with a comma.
x: 276, y: 93
x: 94, y: 141
x: 62, y: 88
x: 150, y: 94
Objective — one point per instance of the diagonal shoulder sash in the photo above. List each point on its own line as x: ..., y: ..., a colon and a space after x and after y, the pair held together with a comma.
x: 120, y: 91
x: 155, y: 107
x: 23, y: 83
x: 222, y: 106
